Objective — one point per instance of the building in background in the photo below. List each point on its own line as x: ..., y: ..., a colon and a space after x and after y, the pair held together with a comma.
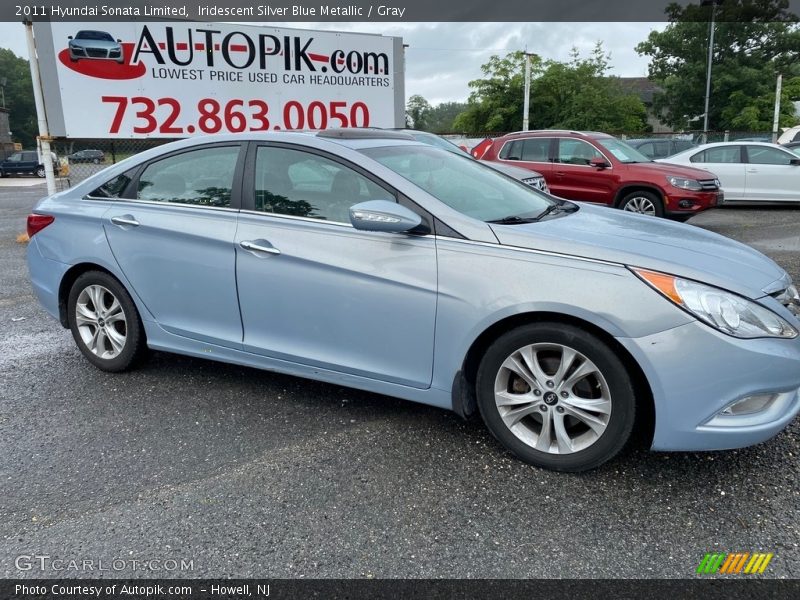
x: 646, y: 90
x: 6, y: 145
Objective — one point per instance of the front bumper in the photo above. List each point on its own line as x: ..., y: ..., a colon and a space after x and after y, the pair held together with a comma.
x: 695, y: 372
x: 685, y: 202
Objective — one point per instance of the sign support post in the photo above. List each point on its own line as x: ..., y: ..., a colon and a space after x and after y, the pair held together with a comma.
x: 44, y: 132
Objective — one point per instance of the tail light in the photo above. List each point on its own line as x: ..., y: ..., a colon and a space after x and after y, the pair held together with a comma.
x: 38, y: 222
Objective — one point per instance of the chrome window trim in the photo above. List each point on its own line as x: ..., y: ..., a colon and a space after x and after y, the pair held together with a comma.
x: 160, y: 203
x: 262, y: 213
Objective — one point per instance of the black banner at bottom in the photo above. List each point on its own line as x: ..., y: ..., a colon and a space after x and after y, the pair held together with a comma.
x: 506, y: 589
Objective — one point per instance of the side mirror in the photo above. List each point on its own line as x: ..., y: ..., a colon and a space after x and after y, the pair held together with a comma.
x: 382, y: 215
x: 599, y: 163
x: 119, y: 41
x: 794, y: 161
x: 69, y: 37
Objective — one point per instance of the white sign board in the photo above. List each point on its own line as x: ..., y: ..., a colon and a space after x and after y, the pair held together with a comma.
x: 177, y: 79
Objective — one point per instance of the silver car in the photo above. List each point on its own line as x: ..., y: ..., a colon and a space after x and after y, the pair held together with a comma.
x: 97, y: 45
x: 367, y: 259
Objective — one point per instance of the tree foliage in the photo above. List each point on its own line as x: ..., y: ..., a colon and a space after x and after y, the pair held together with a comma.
x: 417, y: 110
x: 754, y: 41
x: 19, y: 97
x: 578, y: 94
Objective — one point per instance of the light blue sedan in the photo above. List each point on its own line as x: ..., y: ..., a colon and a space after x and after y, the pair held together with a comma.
x: 366, y: 259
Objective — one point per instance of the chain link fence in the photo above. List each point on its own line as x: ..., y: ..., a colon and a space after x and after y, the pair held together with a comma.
x: 77, y: 159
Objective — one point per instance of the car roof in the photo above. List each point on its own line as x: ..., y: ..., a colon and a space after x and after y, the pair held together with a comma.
x: 558, y: 132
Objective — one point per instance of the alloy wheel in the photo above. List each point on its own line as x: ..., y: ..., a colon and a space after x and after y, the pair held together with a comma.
x: 641, y: 205
x: 101, y: 321
x: 553, y: 398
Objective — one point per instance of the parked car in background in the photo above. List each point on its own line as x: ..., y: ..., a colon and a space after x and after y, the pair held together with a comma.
x: 599, y: 168
x: 660, y: 147
x: 793, y: 146
x: 26, y: 162
x: 95, y: 45
x: 790, y: 135
x: 367, y: 259
x: 526, y: 176
x: 750, y: 171
x: 87, y: 156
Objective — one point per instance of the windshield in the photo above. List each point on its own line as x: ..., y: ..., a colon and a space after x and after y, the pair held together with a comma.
x: 94, y: 35
x: 462, y: 183
x: 622, y: 151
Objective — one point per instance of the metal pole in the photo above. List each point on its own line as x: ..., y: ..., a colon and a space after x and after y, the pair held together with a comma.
x: 776, y: 117
x: 527, y: 101
x: 708, y: 70
x: 44, y: 133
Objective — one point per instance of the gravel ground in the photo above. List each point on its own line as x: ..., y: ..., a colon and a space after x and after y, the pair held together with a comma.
x: 247, y: 473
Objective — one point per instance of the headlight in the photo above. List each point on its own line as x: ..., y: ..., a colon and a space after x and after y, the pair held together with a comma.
x: 684, y: 184
x: 727, y: 312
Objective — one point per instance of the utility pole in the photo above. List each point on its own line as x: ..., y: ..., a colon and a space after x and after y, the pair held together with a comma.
x: 777, y: 115
x: 527, y: 100
x: 714, y: 4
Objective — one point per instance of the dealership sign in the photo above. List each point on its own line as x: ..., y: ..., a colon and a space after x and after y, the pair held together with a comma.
x: 177, y: 79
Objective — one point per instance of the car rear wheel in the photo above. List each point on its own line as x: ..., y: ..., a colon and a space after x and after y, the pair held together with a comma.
x: 104, y: 322
x: 556, y: 396
x: 40, y: 172
x: 96, y: 161
x: 645, y: 203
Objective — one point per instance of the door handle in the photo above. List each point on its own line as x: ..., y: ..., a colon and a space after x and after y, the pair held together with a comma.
x: 259, y: 246
x: 125, y: 220
x: 752, y: 170
x: 560, y: 173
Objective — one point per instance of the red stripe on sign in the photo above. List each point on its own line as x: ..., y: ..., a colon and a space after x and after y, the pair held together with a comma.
x: 200, y: 47
x: 181, y: 46
x: 318, y: 57
x: 216, y: 46
x: 238, y: 48
x: 162, y: 45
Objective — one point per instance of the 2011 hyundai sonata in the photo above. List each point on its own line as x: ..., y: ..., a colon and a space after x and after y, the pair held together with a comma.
x: 367, y: 259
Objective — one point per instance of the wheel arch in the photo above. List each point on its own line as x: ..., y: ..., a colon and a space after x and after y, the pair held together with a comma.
x: 639, y: 187
x: 69, y: 279
x: 464, y: 397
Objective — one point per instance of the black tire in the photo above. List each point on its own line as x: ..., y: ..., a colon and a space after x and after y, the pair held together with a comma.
x: 3, y: 174
x: 96, y: 161
x: 643, y: 197
x: 40, y: 172
x: 619, y: 385
x: 135, y: 345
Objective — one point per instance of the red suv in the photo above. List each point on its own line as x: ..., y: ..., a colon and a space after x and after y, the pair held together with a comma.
x: 597, y: 167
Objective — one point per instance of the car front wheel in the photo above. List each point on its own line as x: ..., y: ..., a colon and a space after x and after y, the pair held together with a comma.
x: 556, y: 396
x: 40, y: 172
x: 104, y: 322
x: 645, y: 203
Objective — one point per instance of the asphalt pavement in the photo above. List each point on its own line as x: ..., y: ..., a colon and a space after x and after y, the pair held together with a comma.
x: 246, y: 473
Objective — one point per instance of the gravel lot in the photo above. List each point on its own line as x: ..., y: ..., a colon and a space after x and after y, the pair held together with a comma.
x: 247, y: 473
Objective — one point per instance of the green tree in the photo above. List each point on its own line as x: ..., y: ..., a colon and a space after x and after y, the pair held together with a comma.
x: 441, y: 117
x: 581, y: 95
x: 496, y: 100
x: 754, y: 41
x: 578, y: 94
x: 417, y: 111
x: 19, y: 98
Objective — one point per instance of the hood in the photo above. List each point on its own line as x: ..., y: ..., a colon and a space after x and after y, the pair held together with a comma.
x: 512, y: 171
x: 671, y: 169
x: 652, y: 243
